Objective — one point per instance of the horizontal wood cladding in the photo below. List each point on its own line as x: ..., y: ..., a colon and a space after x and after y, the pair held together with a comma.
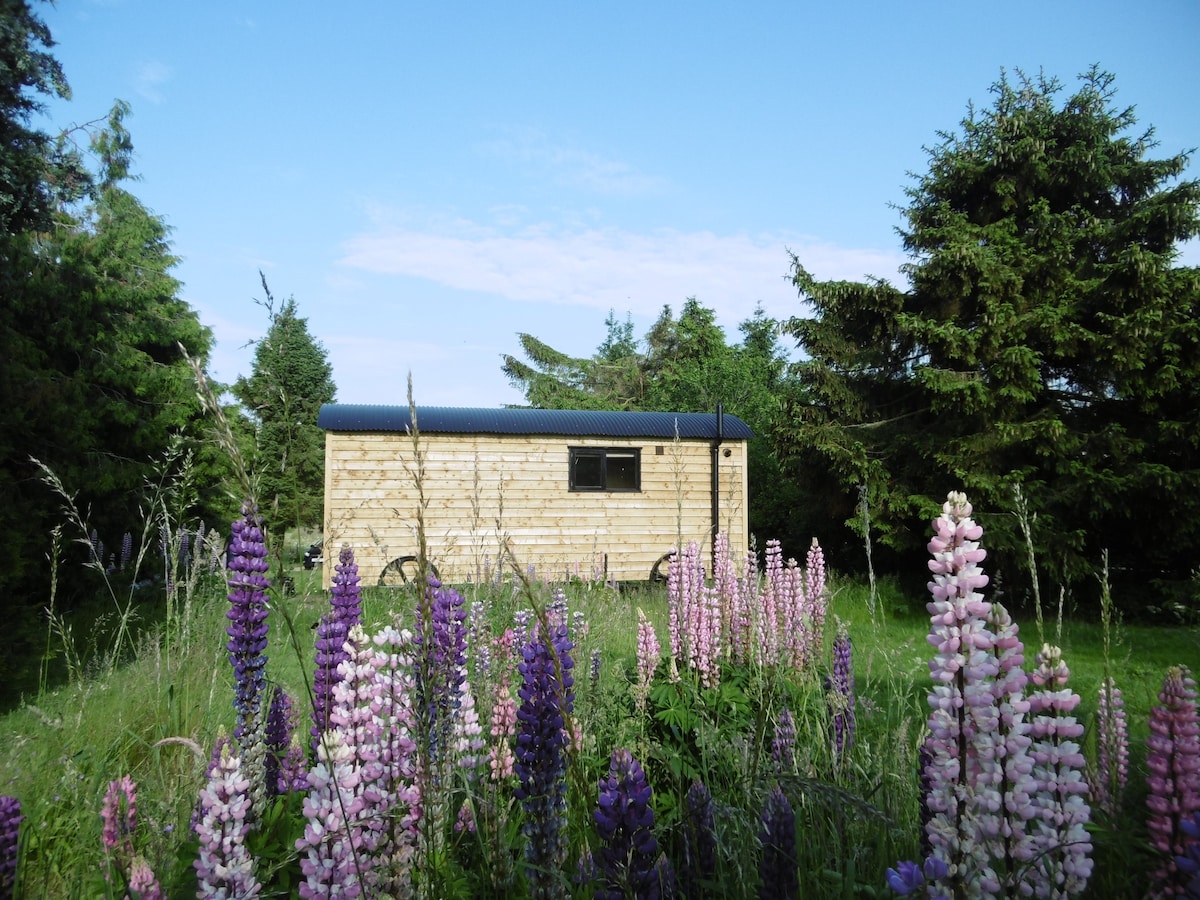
x: 482, y: 489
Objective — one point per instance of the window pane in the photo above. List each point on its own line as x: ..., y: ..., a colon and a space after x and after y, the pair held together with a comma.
x: 587, y: 470
x: 622, y: 470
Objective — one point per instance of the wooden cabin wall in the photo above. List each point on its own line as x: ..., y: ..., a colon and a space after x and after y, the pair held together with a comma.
x: 480, y: 489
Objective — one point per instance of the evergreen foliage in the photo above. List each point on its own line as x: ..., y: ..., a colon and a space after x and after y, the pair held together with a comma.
x: 1046, y: 338
x: 290, y: 379
x: 91, y: 327
x: 35, y: 169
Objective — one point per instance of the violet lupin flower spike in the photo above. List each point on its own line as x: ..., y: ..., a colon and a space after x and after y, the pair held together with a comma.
x: 839, y: 694
x: 442, y: 645
x: 783, y: 747
x: 247, y: 615
x: 547, y: 698
x: 278, y: 736
x: 909, y: 878
x: 778, y: 878
x: 1188, y: 862
x: 345, y: 612
x: 625, y: 822
x: 700, y: 841
x: 594, y: 663
x: 286, y: 766
x: 10, y: 831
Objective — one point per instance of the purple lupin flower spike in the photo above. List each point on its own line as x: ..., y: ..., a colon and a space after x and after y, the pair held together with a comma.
x: 10, y: 830
x: 281, y: 723
x: 625, y: 823
x: 594, y: 670
x: 547, y: 699
x: 345, y: 612
x: 700, y: 841
x: 442, y: 647
x: 247, y: 615
x: 1173, y: 762
x: 783, y: 747
x: 1188, y: 862
x: 126, y: 551
x: 839, y: 695
x: 910, y: 878
x: 925, y: 786
x: 778, y: 877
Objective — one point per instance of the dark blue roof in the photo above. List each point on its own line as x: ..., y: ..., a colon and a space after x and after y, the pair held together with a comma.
x: 567, y: 422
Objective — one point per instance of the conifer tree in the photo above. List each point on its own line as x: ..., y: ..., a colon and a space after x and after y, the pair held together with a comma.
x: 1046, y: 337
x: 290, y: 379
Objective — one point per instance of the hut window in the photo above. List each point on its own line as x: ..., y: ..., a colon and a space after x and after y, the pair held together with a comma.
x: 605, y: 469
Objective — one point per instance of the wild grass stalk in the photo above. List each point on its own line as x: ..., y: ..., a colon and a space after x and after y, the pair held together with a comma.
x: 123, y: 608
x: 1026, y: 521
x: 864, y: 509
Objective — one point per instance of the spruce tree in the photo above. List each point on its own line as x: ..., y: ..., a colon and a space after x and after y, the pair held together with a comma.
x: 1046, y: 339
x: 290, y: 379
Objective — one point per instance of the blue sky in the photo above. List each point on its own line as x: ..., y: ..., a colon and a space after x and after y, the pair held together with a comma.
x: 428, y: 180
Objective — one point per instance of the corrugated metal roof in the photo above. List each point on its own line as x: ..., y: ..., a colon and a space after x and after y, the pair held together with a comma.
x: 566, y: 422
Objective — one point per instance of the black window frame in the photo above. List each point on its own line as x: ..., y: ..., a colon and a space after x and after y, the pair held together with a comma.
x: 602, y: 453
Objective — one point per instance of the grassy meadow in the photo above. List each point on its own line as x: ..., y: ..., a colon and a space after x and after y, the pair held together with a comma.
x: 154, y: 712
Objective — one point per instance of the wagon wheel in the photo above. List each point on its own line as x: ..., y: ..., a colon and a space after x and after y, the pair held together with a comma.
x: 402, y: 570
x: 658, y: 572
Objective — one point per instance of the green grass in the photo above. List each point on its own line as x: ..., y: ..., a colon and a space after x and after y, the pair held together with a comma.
x: 1140, y: 654
x: 144, y: 718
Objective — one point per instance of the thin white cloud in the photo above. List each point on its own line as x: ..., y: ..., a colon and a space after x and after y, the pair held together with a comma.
x: 149, y: 78
x: 569, y: 166
x: 614, y: 269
